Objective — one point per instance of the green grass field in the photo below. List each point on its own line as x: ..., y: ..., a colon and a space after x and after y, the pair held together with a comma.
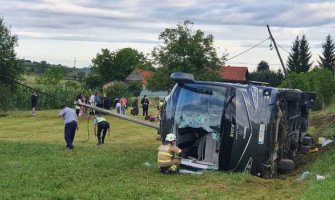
x: 36, y: 165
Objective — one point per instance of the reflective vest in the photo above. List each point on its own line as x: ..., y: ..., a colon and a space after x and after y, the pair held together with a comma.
x: 166, y: 152
x: 160, y: 104
x: 100, y: 119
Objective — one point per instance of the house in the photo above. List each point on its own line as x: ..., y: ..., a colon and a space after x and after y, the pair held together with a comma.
x: 140, y: 75
x: 234, y: 73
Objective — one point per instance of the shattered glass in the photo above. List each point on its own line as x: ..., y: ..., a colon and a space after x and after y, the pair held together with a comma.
x: 199, y: 110
x: 194, y: 120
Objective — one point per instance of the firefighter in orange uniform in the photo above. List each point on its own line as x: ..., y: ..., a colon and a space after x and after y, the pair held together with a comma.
x: 168, y: 155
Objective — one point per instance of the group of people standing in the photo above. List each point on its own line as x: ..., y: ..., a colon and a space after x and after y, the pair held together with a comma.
x: 121, y: 105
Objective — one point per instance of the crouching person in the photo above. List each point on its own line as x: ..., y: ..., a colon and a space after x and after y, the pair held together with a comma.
x: 103, y: 127
x: 168, y: 155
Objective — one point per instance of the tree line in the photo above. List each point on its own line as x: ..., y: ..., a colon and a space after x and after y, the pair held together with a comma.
x: 185, y: 49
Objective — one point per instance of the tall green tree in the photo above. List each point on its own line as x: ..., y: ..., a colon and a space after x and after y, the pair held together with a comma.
x: 116, y: 66
x: 185, y: 50
x: 264, y: 74
x: 9, y: 65
x: 305, y: 55
x: 128, y: 59
x: 102, y: 67
x: 263, y: 66
x: 327, y: 59
x: 293, y: 61
x: 300, y: 55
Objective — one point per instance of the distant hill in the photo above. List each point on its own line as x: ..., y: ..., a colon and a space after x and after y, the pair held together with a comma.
x: 85, y: 70
x: 38, y: 68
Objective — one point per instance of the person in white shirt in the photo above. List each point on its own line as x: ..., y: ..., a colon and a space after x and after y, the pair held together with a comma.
x: 78, y: 100
x: 118, y: 107
x: 92, y: 100
x: 71, y: 124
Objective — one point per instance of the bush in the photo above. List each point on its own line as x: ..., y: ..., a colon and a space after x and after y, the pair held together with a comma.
x: 135, y: 88
x: 52, y: 97
x: 117, y: 89
x: 5, y: 96
x: 318, y: 80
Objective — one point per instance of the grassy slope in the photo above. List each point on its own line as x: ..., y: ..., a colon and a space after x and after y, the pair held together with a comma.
x: 36, y: 165
x: 323, y: 125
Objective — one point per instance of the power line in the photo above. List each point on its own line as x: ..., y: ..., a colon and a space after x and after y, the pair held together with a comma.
x: 248, y: 64
x: 33, y: 89
x: 248, y: 49
x: 283, y: 49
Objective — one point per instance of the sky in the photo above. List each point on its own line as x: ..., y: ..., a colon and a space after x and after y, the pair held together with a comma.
x: 72, y: 32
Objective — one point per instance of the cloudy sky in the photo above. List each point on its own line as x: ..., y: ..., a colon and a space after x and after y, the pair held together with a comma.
x: 59, y: 31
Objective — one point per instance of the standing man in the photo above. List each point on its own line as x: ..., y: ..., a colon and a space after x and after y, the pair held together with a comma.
x: 168, y: 155
x: 33, y: 102
x: 97, y: 100
x: 145, y: 105
x: 107, y: 103
x: 135, y: 106
x: 103, y: 126
x: 123, y: 102
x: 93, y: 103
x: 79, y: 99
x: 71, y: 125
x: 92, y: 100
x: 118, y: 108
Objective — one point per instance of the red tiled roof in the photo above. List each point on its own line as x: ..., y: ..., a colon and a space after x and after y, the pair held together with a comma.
x: 140, y: 75
x: 145, y: 74
x: 234, y: 73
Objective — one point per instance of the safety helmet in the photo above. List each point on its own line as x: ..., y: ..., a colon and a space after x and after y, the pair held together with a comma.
x: 170, y: 137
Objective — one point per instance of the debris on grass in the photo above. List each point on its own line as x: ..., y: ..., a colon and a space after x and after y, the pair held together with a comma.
x: 185, y: 171
x: 320, y: 178
x: 304, y: 175
x: 147, y: 164
x: 313, y: 150
x: 324, y: 141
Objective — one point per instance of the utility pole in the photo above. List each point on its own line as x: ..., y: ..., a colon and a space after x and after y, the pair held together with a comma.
x: 74, y: 62
x: 281, y: 60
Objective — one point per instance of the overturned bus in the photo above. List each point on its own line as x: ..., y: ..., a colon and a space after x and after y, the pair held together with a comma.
x: 237, y: 127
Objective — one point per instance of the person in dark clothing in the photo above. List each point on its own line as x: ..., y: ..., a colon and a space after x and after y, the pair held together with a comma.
x: 145, y: 105
x: 71, y: 125
x: 107, y: 103
x: 103, y: 126
x: 135, y: 106
x: 97, y: 100
x: 33, y: 102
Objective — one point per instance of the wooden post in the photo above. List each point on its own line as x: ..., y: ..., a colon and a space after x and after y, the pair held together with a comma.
x: 281, y: 60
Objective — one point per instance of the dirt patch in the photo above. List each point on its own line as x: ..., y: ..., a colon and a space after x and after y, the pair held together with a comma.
x: 320, y: 122
x: 302, y: 159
